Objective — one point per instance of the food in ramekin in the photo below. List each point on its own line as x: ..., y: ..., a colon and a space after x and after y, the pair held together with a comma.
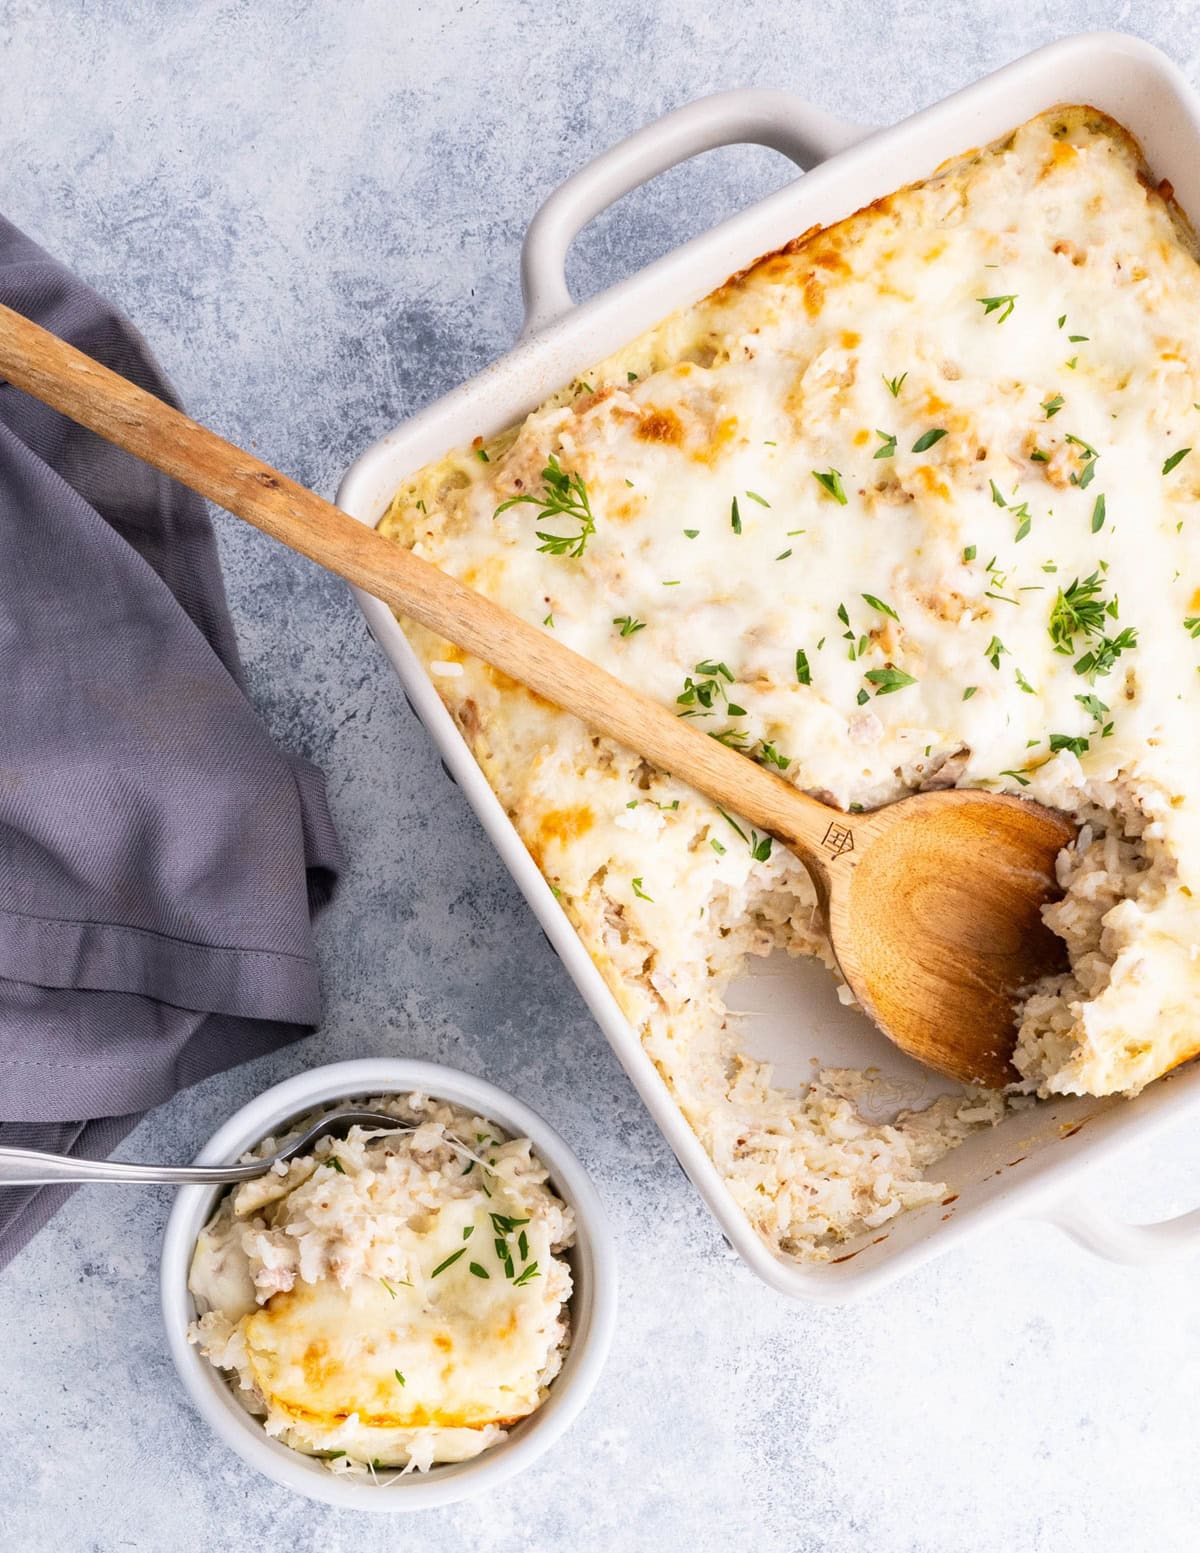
x: 911, y: 502
x: 395, y: 1298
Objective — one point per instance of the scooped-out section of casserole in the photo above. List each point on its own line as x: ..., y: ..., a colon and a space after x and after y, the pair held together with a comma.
x: 912, y: 502
x: 394, y: 1298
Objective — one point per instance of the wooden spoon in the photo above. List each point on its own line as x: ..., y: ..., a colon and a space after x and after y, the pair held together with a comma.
x: 933, y: 903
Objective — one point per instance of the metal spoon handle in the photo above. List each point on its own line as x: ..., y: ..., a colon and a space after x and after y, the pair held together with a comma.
x: 31, y: 1167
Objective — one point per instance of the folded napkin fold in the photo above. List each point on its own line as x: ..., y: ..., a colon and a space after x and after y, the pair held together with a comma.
x: 160, y: 860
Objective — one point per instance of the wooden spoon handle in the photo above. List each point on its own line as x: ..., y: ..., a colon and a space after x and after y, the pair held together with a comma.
x: 78, y: 387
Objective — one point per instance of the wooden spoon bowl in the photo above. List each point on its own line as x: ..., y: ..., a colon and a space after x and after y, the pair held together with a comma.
x: 938, y: 925
x: 933, y: 903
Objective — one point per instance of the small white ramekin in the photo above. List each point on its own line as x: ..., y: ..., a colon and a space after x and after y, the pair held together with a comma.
x: 593, y: 1302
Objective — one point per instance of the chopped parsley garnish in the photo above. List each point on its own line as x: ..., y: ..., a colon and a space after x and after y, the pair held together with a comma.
x: 1002, y: 305
x: 1098, y: 514
x: 887, y: 445
x: 969, y: 692
x: 527, y: 1274
x: 1053, y: 406
x: 716, y: 846
x: 1078, y: 339
x: 628, y: 624
x: 1062, y: 318
x: 831, y: 481
x: 1101, y: 658
x: 1083, y: 477
x: 388, y: 1287
x: 993, y: 650
x: 803, y: 672
x: 1093, y: 704
x: 884, y: 609
x: 449, y: 1262
x: 1039, y: 457
x: 895, y: 384
x: 735, y: 517
x: 1024, y: 522
x: 970, y: 553
x: 563, y: 496
x: 468, y: 1231
x: 767, y: 755
x: 1017, y: 776
x: 705, y: 691
x: 631, y: 377
x: 504, y: 1225
x: 549, y: 620
x: 1024, y: 683
x: 997, y: 582
x: 1067, y: 741
x: 928, y: 438
x: 690, y: 533
x: 1077, y: 609
x: 400, y: 1377
x: 640, y: 892
x: 858, y: 644
x: 1192, y: 625
x: 783, y: 555
x: 1176, y: 458
x: 760, y: 846
x: 888, y: 680
x: 996, y: 496
x: 335, y: 1163
x: 761, y: 500
x: 481, y: 455
x: 863, y: 697
x: 479, y: 1272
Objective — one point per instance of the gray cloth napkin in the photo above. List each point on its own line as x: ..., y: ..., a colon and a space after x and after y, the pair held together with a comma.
x: 160, y: 859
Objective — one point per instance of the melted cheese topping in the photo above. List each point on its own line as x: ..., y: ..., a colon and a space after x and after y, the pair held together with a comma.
x: 909, y: 502
x: 392, y: 1311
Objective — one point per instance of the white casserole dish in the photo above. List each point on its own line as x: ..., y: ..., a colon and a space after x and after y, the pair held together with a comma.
x: 1030, y: 1164
x: 593, y: 1303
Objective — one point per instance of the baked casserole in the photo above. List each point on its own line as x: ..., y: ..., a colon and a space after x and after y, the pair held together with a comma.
x: 909, y: 503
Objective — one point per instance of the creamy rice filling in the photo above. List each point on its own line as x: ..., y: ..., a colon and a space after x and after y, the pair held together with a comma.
x: 394, y: 1298
x: 911, y: 502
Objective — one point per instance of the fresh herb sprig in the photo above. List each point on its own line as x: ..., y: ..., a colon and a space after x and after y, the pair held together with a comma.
x: 563, y: 496
x: 1077, y: 610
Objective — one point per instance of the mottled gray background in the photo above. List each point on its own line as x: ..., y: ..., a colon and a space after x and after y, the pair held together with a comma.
x: 313, y: 209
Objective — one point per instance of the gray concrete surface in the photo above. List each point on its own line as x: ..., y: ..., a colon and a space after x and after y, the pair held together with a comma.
x: 313, y: 210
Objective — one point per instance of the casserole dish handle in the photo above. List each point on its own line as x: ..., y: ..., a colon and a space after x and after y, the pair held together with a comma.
x: 1091, y: 1226
x: 785, y: 123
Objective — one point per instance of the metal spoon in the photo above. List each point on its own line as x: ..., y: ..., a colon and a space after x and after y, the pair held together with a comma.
x: 31, y: 1167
